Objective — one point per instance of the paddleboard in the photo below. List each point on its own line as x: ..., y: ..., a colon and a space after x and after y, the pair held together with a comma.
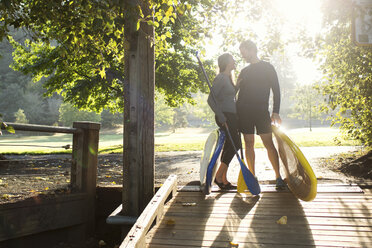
x: 210, y: 159
x: 294, y: 167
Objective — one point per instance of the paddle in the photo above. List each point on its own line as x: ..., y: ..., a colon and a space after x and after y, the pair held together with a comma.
x: 249, y: 179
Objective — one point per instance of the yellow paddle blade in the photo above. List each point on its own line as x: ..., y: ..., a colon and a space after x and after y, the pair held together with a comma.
x: 242, y: 186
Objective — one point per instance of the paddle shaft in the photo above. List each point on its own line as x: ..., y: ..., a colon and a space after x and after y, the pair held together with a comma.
x: 215, y: 101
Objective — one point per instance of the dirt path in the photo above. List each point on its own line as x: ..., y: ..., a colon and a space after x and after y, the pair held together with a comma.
x: 186, y: 165
x: 25, y: 176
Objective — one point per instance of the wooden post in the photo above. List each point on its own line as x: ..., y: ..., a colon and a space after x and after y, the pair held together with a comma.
x: 84, y: 166
x: 138, y: 181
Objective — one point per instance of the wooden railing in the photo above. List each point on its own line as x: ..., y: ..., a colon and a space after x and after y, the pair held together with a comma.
x: 151, y: 215
x: 81, y: 206
x: 42, y: 128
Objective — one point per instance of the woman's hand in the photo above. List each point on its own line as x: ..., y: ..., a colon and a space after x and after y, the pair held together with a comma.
x: 275, y: 119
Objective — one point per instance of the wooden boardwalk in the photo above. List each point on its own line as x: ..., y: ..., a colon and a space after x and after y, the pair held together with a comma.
x: 340, y: 216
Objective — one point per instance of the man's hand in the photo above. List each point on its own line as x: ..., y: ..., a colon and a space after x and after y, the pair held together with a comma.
x: 275, y: 119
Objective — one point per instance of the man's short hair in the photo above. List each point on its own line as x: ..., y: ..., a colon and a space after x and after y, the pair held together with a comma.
x: 248, y: 44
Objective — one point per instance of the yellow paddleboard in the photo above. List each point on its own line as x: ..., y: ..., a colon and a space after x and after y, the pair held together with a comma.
x: 295, y: 168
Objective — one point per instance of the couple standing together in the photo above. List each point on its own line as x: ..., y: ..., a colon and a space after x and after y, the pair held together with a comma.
x: 247, y: 112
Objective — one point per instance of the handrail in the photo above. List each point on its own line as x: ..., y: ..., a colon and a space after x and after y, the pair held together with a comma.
x: 41, y: 128
x: 153, y: 212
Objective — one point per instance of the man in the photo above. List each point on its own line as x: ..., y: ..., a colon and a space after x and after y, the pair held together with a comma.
x: 255, y: 82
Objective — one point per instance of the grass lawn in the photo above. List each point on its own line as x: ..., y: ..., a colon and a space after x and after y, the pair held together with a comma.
x: 188, y: 139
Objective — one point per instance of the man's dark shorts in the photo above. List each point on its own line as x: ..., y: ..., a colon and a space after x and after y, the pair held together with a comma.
x: 250, y: 119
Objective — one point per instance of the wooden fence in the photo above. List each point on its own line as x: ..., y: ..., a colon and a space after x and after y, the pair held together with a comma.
x: 76, y: 210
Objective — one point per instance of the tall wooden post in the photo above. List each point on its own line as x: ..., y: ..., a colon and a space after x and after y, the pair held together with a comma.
x: 138, y: 183
x: 84, y: 166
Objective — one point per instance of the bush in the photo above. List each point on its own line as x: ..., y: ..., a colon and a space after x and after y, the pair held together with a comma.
x: 20, y: 116
x: 68, y: 114
x: 110, y: 120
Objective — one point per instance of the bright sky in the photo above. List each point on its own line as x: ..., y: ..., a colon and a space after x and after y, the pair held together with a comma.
x: 307, y: 12
x: 304, y: 11
x: 293, y: 12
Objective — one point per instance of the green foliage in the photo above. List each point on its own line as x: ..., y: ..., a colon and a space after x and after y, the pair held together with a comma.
x: 163, y: 112
x: 202, y: 110
x: 8, y: 128
x: 111, y: 120
x: 348, y: 73
x: 69, y: 114
x: 307, y: 101
x: 80, y: 46
x: 17, y: 91
x: 179, y: 118
x: 1, y: 124
x: 196, y: 115
x: 20, y: 116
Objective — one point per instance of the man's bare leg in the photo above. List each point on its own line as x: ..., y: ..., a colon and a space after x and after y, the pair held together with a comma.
x: 249, y: 151
x: 267, y: 140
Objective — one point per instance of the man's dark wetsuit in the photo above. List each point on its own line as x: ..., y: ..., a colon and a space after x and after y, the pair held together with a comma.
x: 255, y: 82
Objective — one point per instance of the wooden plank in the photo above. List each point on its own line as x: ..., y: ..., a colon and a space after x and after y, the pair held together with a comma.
x: 275, y: 214
x: 190, y: 205
x: 257, y: 243
x: 336, y: 188
x: 282, y: 237
x: 368, y: 191
x: 270, y: 204
x: 222, y: 245
x: 294, y: 220
x: 272, y: 211
x: 281, y: 198
x: 265, y: 200
x: 258, y: 227
x: 320, y: 189
x: 332, y: 219
x: 153, y: 212
x: 278, y: 194
x: 41, y: 128
x: 259, y: 222
x: 39, y: 199
x: 42, y: 215
x: 238, y: 200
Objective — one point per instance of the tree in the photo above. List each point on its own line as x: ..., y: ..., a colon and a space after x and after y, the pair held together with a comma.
x: 202, y: 109
x: 69, y: 114
x: 347, y: 72
x: 163, y: 112
x: 20, y: 116
x: 307, y: 103
x: 179, y: 118
x: 79, y: 47
x: 287, y: 79
x: 17, y: 91
x: 111, y: 120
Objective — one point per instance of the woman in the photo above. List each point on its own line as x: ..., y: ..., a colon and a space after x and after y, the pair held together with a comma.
x: 224, y: 107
